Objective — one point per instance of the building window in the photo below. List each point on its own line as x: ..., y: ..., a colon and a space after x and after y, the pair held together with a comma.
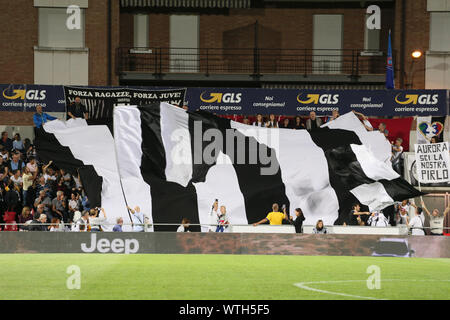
x: 53, y: 31
x: 141, y: 31
x: 371, y: 38
x: 439, y: 31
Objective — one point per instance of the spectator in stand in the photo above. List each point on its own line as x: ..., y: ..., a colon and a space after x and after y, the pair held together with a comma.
x: 417, y: 222
x: 6, y: 142
x: 298, y: 222
x: 184, y: 227
x: 4, y: 153
x: 434, y: 139
x: 18, y: 143
x: 365, y: 121
x: 313, y: 122
x: 77, y: 110
x: 357, y: 213
x: 334, y: 115
x: 96, y: 221
x: 396, y: 157
x: 138, y: 218
x: 377, y: 219
x: 382, y: 129
x: 57, y: 206
x: 39, y: 224
x: 118, y: 226
x: 56, y: 225
x: 40, y: 210
x: 246, y: 121
x: 12, y: 196
x: 286, y: 124
x: 3, y: 170
x: 298, y: 123
x: 222, y: 220
x: 40, y: 118
x: 32, y: 165
x: 275, y: 217
x: 80, y: 221
x: 436, y: 220
x: 15, y: 163
x: 45, y: 201
x: 17, y: 179
x: 320, y: 228
x: 403, y: 213
x: 272, y: 123
x: 259, y: 121
x: 25, y: 216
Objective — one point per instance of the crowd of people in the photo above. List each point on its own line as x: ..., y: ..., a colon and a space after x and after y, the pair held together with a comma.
x: 40, y: 196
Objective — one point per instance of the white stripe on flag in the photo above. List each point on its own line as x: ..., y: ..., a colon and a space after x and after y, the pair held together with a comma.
x: 304, y: 171
x: 365, y: 194
x: 128, y: 141
x: 373, y: 167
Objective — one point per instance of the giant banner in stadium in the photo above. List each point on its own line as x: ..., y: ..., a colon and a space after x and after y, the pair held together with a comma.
x: 242, y: 101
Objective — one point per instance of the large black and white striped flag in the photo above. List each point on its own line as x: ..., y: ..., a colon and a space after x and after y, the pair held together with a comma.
x: 174, y: 164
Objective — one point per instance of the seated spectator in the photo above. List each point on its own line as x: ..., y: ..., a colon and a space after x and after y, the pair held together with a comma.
x: 286, y: 124
x: 3, y: 170
x: 377, y: 219
x: 74, y: 202
x: 44, y: 200
x: 77, y: 110
x: 81, y: 222
x: 58, y: 208
x: 18, y: 143
x: 334, y: 115
x: 118, y: 226
x: 436, y: 220
x: 40, y: 118
x: 272, y: 123
x: 313, y: 122
x: 17, y: 179
x: 298, y: 123
x: 15, y: 163
x: 56, y: 225
x: 396, y: 158
x: 184, y: 227
x: 259, y: 121
x: 42, y: 186
x: 275, y: 217
x: 25, y: 216
x: 298, y: 222
x: 6, y: 142
x: 39, y: 224
x: 39, y: 210
x: 319, y: 228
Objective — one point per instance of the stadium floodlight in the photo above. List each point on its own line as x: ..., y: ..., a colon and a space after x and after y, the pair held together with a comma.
x: 416, y: 54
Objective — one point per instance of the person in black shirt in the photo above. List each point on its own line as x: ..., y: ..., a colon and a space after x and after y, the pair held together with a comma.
x: 298, y: 123
x: 298, y: 222
x: 77, y: 110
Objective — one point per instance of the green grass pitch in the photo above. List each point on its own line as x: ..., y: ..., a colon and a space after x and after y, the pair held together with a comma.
x: 220, y: 277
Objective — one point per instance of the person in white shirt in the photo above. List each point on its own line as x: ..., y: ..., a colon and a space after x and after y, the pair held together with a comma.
x: 81, y: 224
x: 213, y: 216
x: 396, y: 158
x: 259, y: 121
x: 138, y: 219
x: 95, y: 221
x: 403, y: 213
x: 416, y: 223
x: 377, y: 219
x: 184, y: 227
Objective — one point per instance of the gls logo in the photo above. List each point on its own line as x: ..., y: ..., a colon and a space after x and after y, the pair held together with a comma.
x: 319, y: 98
x: 24, y: 94
x: 116, y: 245
x: 418, y: 99
x: 222, y: 97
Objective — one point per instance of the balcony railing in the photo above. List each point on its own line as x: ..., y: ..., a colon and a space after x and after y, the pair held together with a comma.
x: 253, y: 61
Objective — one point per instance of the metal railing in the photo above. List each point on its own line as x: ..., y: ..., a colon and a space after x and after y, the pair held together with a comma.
x: 253, y: 61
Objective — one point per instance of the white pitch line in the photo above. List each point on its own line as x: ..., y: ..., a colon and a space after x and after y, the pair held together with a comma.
x: 303, y: 285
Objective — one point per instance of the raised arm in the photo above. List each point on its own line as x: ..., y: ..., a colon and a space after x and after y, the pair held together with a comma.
x: 131, y: 210
x: 425, y: 208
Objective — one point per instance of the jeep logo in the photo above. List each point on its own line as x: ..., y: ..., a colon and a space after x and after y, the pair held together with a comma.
x: 116, y: 245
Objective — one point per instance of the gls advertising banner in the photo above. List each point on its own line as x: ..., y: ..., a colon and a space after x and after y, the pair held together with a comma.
x: 300, y: 102
x: 245, y: 101
x: 25, y: 97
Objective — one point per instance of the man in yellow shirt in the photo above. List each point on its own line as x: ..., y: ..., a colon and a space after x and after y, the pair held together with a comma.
x: 275, y: 217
